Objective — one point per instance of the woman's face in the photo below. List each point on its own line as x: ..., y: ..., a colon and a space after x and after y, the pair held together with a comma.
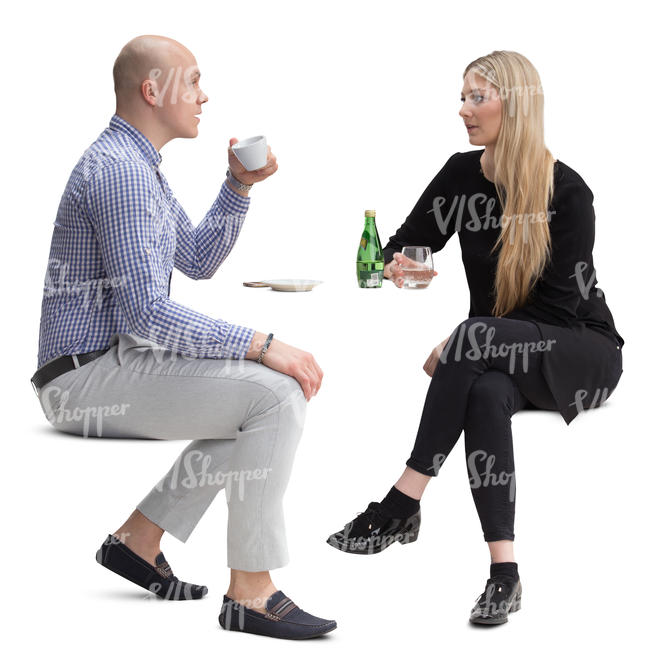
x: 481, y: 109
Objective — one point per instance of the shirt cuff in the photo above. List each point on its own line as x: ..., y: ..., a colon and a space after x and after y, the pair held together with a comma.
x: 237, y: 342
x: 231, y: 202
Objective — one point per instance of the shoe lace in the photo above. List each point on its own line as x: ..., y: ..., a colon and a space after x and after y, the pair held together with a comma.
x: 370, y: 518
x: 501, y: 585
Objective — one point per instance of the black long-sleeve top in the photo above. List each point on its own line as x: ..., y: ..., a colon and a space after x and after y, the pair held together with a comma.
x: 565, y: 299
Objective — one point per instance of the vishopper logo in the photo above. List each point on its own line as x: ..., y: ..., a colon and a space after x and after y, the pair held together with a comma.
x: 189, y: 343
x: 435, y: 466
x: 491, y: 606
x: 171, y: 87
x: 585, y: 285
x: 196, y: 469
x: 475, y: 342
x: 171, y: 590
x: 92, y: 289
x: 374, y: 541
x: 486, y: 477
x: 480, y: 210
x: 54, y: 402
x: 584, y: 400
x: 513, y: 95
x: 233, y: 613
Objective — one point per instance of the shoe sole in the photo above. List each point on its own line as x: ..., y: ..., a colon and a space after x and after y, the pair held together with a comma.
x: 99, y: 556
x: 275, y: 636
x: 516, y: 606
x: 406, y: 536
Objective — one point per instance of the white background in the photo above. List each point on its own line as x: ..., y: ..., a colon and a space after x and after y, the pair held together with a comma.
x: 360, y: 103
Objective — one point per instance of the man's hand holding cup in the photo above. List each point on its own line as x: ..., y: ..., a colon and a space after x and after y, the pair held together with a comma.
x: 251, y: 160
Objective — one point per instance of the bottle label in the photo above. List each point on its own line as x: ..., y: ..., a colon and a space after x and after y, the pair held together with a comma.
x: 370, y: 275
x: 364, y: 243
x: 373, y: 280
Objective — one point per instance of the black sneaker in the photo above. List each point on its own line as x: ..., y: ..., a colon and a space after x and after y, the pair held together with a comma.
x: 159, y: 579
x: 374, y: 530
x: 502, y: 596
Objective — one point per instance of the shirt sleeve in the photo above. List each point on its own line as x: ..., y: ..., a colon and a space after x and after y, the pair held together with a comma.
x: 201, y: 250
x: 569, y: 274
x: 137, y: 246
x: 431, y: 222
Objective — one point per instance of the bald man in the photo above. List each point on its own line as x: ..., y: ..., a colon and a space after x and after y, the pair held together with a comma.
x: 118, y: 358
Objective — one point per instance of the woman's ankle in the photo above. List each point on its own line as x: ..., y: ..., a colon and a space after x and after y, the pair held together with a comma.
x: 502, y: 551
x: 412, y: 483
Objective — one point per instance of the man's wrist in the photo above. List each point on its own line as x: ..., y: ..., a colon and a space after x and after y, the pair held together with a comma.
x: 236, y: 185
x: 236, y: 191
x: 257, y: 343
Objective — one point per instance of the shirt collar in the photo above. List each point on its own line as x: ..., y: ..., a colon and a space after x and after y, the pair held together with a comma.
x: 143, y: 143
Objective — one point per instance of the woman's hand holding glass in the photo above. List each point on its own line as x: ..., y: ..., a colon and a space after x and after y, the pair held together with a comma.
x: 395, y: 269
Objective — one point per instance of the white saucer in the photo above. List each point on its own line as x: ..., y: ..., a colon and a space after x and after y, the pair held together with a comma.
x: 292, y: 285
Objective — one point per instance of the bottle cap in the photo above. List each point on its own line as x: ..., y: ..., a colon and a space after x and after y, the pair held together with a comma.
x: 370, y: 213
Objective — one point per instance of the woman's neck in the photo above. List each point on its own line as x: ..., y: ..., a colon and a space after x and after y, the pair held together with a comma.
x: 487, y: 162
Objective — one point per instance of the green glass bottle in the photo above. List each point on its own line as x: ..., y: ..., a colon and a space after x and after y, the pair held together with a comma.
x: 370, y: 258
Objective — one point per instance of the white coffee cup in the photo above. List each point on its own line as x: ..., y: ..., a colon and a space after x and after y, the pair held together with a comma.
x: 251, y: 152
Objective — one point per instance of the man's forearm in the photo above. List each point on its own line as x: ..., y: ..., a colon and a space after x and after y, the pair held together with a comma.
x: 256, y: 345
x: 200, y: 250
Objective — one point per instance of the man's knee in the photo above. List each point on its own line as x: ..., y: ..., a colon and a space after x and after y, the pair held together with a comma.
x: 281, y: 392
x: 284, y: 387
x: 290, y: 395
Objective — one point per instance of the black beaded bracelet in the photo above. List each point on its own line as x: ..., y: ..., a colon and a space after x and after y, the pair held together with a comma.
x: 265, y: 347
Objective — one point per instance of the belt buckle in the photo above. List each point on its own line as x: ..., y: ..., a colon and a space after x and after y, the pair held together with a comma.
x: 31, y: 381
x: 75, y: 361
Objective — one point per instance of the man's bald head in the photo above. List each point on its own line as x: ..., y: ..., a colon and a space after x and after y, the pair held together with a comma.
x: 139, y: 60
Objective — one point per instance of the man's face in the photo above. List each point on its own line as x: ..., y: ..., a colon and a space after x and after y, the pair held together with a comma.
x: 178, y: 94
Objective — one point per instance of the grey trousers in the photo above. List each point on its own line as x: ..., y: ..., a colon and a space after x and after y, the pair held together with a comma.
x: 244, y: 418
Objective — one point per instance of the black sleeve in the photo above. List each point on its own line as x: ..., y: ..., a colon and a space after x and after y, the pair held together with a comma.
x: 431, y: 221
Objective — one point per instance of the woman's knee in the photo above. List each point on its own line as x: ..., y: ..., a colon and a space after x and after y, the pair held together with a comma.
x: 468, y: 339
x: 492, y: 392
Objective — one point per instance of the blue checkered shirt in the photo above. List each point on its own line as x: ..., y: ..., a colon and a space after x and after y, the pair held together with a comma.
x: 119, y: 231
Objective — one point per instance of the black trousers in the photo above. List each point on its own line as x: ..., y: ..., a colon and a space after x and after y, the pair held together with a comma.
x: 489, y: 369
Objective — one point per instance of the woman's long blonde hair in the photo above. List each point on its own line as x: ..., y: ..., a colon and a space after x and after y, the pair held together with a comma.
x: 523, y: 176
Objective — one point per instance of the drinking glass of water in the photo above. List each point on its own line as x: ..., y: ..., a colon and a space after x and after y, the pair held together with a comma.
x: 418, y: 268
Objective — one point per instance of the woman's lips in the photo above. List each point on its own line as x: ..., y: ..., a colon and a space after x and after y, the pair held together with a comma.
x: 471, y: 128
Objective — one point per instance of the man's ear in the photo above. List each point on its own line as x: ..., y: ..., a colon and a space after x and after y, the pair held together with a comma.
x: 149, y: 91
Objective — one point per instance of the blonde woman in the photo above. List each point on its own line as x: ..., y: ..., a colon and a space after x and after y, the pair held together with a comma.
x: 539, y: 333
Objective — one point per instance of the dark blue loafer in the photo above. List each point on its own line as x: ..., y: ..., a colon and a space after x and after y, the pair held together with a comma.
x: 158, y: 579
x: 283, y: 619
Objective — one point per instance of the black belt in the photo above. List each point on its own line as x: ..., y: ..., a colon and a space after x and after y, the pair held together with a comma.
x: 57, y: 367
